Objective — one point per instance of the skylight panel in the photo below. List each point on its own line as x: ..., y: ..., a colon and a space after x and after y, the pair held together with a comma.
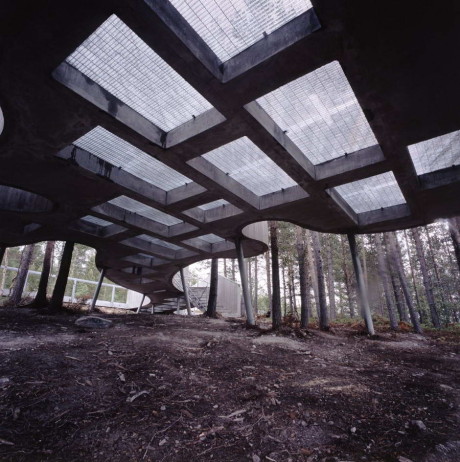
x: 120, y: 153
x: 246, y: 163
x: 159, y: 242
x: 211, y: 238
x: 232, y: 26
x: 120, y: 62
x: 96, y: 221
x: 436, y: 153
x: 213, y: 205
x: 132, y: 205
x: 320, y: 114
x: 372, y: 193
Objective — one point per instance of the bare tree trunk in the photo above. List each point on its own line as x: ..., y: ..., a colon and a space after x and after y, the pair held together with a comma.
x: 40, y: 299
x: 346, y: 276
x: 61, y: 281
x: 294, y: 299
x: 233, y: 270
x: 303, y: 275
x: 412, y: 272
x: 314, y: 276
x: 20, y: 280
x: 2, y: 253
x: 455, y: 236
x: 283, y: 274
x: 323, y: 314
x: 269, y: 281
x: 225, y: 267
x: 330, y: 280
x: 290, y: 291
x: 397, y: 264
x: 256, y: 287
x: 427, y: 282
x: 211, y: 310
x: 276, y: 301
x: 383, y: 272
x: 4, y: 260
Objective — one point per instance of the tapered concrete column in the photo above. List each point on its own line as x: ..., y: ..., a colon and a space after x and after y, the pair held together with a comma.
x: 98, y: 289
x: 140, y: 304
x: 362, y: 289
x: 185, y: 288
x: 244, y: 284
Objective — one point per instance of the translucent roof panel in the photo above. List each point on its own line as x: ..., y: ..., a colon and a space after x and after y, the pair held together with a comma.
x: 120, y: 62
x: 246, y: 163
x: 160, y: 242
x: 120, y: 153
x: 141, y: 209
x: 212, y: 238
x: 436, y: 153
x: 231, y: 26
x: 372, y: 193
x: 96, y: 221
x: 320, y: 114
x: 213, y: 205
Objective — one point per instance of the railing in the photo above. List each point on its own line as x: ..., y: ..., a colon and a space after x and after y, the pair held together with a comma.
x: 73, y: 297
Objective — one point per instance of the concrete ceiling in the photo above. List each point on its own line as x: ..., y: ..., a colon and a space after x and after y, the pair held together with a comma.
x: 399, y: 58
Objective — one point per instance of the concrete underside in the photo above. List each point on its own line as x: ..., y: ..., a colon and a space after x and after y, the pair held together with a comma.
x: 399, y: 57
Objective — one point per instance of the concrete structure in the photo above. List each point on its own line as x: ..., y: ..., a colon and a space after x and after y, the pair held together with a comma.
x: 158, y: 141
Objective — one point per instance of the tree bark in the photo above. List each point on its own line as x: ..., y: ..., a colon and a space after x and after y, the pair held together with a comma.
x: 2, y: 253
x: 41, y: 300
x: 269, y: 281
x: 20, y: 280
x: 256, y: 287
x: 414, y: 283
x: 4, y: 261
x: 303, y: 274
x: 283, y: 274
x: 276, y: 296
x: 330, y: 280
x: 346, y: 276
x: 233, y: 270
x: 323, y: 314
x: 225, y: 267
x: 383, y: 272
x: 397, y: 264
x: 61, y: 281
x: 455, y: 236
x: 211, y: 310
x: 427, y: 282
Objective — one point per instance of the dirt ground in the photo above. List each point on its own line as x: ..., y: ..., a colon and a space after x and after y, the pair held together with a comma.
x: 170, y: 388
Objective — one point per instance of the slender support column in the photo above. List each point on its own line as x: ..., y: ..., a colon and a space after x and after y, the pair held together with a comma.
x: 362, y: 289
x: 61, y: 281
x: 2, y: 253
x: 185, y: 288
x: 178, y: 305
x: 112, y: 300
x: 98, y: 289
x: 140, y: 304
x: 74, y: 288
x: 244, y: 284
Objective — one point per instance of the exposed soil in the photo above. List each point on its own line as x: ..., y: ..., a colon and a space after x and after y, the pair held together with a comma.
x: 170, y: 388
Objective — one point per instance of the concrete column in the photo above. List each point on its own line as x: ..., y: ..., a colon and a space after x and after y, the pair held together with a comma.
x: 98, y: 289
x: 244, y: 284
x: 185, y: 288
x: 178, y: 305
x: 140, y: 304
x: 362, y: 289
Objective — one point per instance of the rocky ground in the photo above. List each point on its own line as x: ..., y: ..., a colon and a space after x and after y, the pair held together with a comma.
x: 169, y: 388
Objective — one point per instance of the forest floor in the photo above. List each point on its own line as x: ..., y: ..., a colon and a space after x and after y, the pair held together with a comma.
x: 171, y: 388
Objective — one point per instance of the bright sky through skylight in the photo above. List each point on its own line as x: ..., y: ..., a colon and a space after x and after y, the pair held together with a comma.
x: 231, y: 26
x: 120, y: 62
x: 320, y: 114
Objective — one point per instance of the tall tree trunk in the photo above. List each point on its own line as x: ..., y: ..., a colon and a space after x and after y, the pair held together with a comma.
x: 276, y: 298
x: 225, y: 267
x: 20, y: 280
x: 346, y: 276
x: 251, y: 287
x: 397, y: 264
x: 269, y: 280
x: 256, y: 287
x: 427, y: 282
x: 211, y: 310
x: 61, y: 281
x: 4, y: 262
x: 294, y: 299
x: 383, y: 272
x: 290, y: 291
x: 40, y: 300
x: 330, y: 280
x: 412, y: 272
x: 455, y: 236
x: 323, y: 314
x: 312, y: 267
x: 2, y: 253
x: 303, y: 275
x: 233, y: 270
x: 283, y: 274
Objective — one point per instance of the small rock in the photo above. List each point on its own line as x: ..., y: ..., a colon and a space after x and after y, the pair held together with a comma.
x: 255, y: 458
x: 353, y: 430
x: 417, y: 425
x: 4, y: 381
x: 162, y: 442
x: 163, y: 408
x: 93, y: 322
x: 404, y: 459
